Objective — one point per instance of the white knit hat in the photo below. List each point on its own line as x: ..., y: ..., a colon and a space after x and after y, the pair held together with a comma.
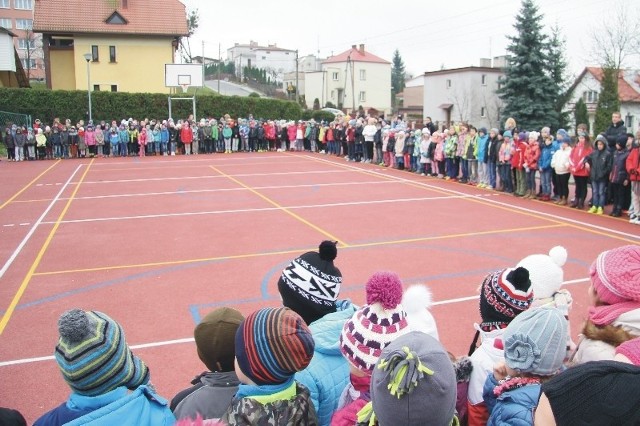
x: 545, y: 272
x: 417, y: 301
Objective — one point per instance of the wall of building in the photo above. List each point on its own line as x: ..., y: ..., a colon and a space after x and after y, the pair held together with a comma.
x: 36, y: 53
x: 7, y: 53
x: 63, y: 70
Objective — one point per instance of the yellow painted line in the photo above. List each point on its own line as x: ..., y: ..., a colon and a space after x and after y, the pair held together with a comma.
x: 27, y: 279
x: 284, y: 209
x: 24, y: 188
x: 273, y: 253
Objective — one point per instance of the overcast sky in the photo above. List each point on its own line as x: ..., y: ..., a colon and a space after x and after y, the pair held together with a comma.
x: 428, y: 34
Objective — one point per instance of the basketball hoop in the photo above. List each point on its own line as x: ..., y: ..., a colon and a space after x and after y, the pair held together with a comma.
x: 185, y: 87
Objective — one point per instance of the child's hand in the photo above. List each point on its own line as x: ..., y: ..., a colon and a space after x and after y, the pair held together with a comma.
x: 500, y: 371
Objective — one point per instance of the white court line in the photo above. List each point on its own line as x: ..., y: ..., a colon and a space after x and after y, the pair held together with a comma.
x: 37, y: 223
x: 132, y: 160
x: 200, y: 191
x: 195, y: 166
x: 494, y: 201
x: 311, y: 172
x: 264, y: 209
x: 191, y: 339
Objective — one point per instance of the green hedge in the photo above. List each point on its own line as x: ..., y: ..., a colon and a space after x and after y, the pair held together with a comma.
x: 318, y: 115
x: 47, y: 104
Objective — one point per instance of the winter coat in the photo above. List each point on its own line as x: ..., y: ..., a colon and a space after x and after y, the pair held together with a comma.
x: 633, y: 164
x: 470, y: 147
x: 119, y: 407
x: 514, y: 407
x: 532, y: 155
x: 355, y: 396
x: 99, y: 135
x: 226, y: 132
x: 482, y: 147
x: 369, y: 132
x: 284, y: 412
x: 209, y: 397
x: 612, y: 133
x: 90, y: 138
x: 328, y: 373
x: 493, y: 149
x: 599, y: 343
x: 561, y: 161
x: 186, y: 135
x: 619, y: 172
x: 438, y: 152
x: 142, y: 138
x: 546, y: 154
x: 460, y: 147
x: 20, y: 139
x: 504, y: 154
x: 577, y: 159
x: 517, y: 154
x: 399, y: 146
x: 600, y: 165
x: 450, y: 146
x: 424, y: 151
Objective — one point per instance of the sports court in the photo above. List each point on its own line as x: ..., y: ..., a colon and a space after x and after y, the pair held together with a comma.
x: 157, y: 242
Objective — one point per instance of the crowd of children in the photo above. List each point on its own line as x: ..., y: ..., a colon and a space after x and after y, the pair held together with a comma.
x: 321, y: 360
x: 532, y: 165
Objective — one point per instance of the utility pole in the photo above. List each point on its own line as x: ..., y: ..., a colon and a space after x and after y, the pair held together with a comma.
x: 297, y: 82
x: 203, y: 62
x: 219, y: 65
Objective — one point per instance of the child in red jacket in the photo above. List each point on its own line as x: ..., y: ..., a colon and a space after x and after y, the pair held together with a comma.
x: 633, y: 168
x: 531, y: 157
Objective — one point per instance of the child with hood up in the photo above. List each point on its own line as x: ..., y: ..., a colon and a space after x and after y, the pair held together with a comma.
x: 482, y: 147
x: 598, y: 163
x: 399, y: 150
x: 425, y: 160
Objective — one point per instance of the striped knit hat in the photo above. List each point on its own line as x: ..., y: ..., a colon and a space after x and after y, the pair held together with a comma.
x: 504, y: 294
x: 93, y: 356
x: 272, y: 344
x: 374, y: 326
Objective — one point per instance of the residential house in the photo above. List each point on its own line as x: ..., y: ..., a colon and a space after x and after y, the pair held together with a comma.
x: 275, y: 60
x: 410, y: 102
x: 11, y: 72
x: 588, y: 85
x: 127, y: 42
x: 351, y: 79
x: 465, y: 94
x: 17, y: 17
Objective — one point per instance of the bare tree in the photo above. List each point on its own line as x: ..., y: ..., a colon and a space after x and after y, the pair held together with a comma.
x: 462, y: 101
x: 617, y: 38
x: 32, y: 47
x: 193, y: 21
x: 492, y: 107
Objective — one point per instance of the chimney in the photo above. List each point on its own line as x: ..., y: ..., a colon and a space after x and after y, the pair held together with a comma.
x: 125, y: 4
x: 362, y: 49
x: 485, y: 62
x: 354, y: 47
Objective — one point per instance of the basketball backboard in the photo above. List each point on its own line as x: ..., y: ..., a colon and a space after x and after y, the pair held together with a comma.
x: 183, y: 75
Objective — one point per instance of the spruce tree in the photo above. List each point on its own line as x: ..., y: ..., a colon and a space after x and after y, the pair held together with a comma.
x: 397, y: 73
x: 560, y: 86
x: 526, y: 89
x: 608, y: 101
x: 580, y: 113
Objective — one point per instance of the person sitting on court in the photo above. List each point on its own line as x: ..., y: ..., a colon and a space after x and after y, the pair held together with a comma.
x: 109, y: 384
x: 213, y: 390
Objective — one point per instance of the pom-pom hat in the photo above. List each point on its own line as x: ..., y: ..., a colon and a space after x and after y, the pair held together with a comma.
x: 417, y: 301
x: 376, y: 324
x: 503, y: 295
x: 93, y: 355
x: 545, y: 271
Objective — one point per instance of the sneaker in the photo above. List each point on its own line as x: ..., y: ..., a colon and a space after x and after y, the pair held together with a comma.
x: 635, y: 221
x: 599, y: 210
x: 593, y: 209
x: 421, y: 174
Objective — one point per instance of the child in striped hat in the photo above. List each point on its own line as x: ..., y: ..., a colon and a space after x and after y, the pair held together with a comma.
x: 100, y: 369
x: 271, y: 345
x: 371, y: 329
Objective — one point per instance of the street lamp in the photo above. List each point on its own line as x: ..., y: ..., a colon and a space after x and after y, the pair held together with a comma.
x: 88, y: 57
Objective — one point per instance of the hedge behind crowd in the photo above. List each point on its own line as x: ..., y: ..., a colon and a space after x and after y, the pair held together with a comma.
x: 47, y: 104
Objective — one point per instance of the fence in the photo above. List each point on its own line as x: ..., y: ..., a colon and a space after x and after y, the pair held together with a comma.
x: 8, y: 118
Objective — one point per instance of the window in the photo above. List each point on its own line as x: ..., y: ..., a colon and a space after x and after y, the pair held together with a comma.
x: 363, y: 75
x: 334, y: 75
x: 96, y: 87
x: 30, y: 65
x: 5, y: 23
x: 264, y: 57
x: 112, y: 54
x: 483, y: 79
x: 483, y: 112
x: 4, y: 4
x: 95, y: 57
x: 333, y: 94
x: 362, y: 97
x: 590, y: 96
x: 25, y: 44
x: 448, y: 84
x: 628, y: 121
x: 114, y: 87
x: 23, y: 4
x: 24, y: 24
x: 499, y: 85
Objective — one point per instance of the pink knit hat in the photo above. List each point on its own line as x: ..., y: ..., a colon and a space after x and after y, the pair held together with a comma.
x: 375, y: 325
x: 630, y: 349
x: 615, y: 275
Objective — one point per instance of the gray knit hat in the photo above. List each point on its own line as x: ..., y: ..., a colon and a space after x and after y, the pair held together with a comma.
x: 414, y: 383
x: 536, y: 341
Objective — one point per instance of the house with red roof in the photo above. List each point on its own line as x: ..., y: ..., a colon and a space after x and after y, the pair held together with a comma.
x: 588, y: 85
x: 113, y: 45
x: 351, y: 79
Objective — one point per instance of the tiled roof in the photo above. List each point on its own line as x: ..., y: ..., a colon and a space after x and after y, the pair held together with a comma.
x: 628, y: 83
x: 356, y: 56
x: 144, y: 17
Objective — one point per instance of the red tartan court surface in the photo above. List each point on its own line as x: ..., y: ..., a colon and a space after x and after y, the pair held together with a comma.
x: 158, y: 242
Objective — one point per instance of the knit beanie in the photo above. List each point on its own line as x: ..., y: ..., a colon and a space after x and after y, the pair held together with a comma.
x: 545, y: 271
x: 414, y: 383
x: 272, y: 344
x: 215, y: 337
x: 507, y: 134
x: 376, y: 324
x: 536, y: 341
x: 631, y: 350
x: 615, y: 275
x: 310, y: 285
x: 504, y: 294
x: 417, y: 301
x: 93, y: 355
x: 595, y: 393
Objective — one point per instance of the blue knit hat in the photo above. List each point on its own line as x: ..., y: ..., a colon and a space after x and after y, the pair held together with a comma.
x: 536, y: 341
x: 93, y: 356
x: 507, y: 134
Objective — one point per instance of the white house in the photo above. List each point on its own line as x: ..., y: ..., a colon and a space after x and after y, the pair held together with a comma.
x: 11, y: 72
x: 351, y: 79
x: 272, y: 58
x: 464, y: 94
x: 587, y: 86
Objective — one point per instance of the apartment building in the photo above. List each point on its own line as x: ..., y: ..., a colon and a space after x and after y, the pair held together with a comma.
x: 17, y: 17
